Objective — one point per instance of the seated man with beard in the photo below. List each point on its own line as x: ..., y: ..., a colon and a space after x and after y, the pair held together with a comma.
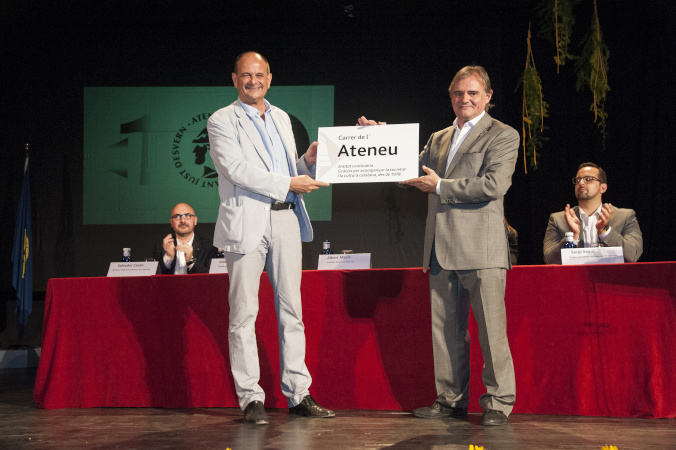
x: 183, y: 251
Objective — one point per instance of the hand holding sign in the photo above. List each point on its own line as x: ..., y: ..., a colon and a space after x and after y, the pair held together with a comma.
x: 363, y: 121
x: 303, y: 184
x: 311, y: 155
x: 426, y: 183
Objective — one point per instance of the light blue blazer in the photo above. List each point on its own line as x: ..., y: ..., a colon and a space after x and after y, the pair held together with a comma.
x: 246, y: 184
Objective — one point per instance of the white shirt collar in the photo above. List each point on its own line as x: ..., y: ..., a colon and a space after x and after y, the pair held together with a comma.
x: 471, y: 123
x: 595, y: 213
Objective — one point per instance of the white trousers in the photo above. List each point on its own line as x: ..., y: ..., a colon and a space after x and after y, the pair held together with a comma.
x: 280, y: 254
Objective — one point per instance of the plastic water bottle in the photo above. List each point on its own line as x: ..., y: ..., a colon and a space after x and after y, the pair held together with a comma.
x: 326, y: 248
x: 126, y: 255
x: 569, y: 240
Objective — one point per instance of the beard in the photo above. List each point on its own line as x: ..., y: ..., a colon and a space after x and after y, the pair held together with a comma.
x: 585, y: 195
x: 184, y: 231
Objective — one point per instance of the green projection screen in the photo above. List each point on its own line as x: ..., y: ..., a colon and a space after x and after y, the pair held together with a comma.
x: 146, y: 149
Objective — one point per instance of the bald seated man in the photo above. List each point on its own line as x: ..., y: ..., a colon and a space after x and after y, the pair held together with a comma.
x: 183, y: 251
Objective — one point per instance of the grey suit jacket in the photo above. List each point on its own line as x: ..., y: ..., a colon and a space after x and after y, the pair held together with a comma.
x: 246, y: 185
x: 624, y: 232
x: 466, y: 221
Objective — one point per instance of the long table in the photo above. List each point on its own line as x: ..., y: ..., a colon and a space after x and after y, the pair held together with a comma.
x: 586, y: 340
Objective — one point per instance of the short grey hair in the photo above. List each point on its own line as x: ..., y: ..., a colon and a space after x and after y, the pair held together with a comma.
x: 476, y: 71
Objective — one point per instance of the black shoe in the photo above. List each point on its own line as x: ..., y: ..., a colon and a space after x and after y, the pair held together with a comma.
x: 309, y: 408
x: 254, y: 413
x: 438, y: 411
x: 494, y: 418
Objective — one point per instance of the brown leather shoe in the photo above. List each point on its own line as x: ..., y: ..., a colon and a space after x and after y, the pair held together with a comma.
x: 254, y: 414
x: 310, y: 408
x: 438, y: 411
x: 493, y: 418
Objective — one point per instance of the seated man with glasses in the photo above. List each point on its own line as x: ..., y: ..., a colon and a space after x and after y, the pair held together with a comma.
x: 183, y: 251
x: 593, y: 222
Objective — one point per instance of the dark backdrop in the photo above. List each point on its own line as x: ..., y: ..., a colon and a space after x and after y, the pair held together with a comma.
x: 388, y: 61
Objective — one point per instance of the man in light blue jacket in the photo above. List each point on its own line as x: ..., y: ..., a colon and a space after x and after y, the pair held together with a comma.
x: 261, y: 222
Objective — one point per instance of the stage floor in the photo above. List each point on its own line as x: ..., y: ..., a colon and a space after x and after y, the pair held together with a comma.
x: 24, y: 425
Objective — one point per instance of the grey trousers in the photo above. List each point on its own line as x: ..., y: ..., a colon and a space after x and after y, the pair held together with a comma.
x: 451, y: 294
x: 280, y: 254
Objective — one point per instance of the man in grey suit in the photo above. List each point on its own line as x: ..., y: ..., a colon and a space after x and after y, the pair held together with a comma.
x: 261, y: 222
x: 592, y: 221
x: 466, y: 248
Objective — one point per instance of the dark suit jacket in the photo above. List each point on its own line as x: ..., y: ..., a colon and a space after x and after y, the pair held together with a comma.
x: 624, y: 232
x: 466, y: 221
x: 202, y: 249
x: 513, y: 238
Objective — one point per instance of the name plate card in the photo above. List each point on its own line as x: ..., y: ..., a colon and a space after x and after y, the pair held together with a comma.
x: 218, y: 265
x: 592, y: 255
x: 368, y: 154
x: 132, y: 269
x: 350, y: 261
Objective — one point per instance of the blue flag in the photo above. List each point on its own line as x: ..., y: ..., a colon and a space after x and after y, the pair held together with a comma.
x: 22, y: 255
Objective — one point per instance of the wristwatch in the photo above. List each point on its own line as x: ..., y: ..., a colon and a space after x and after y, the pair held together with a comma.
x: 192, y: 260
x: 606, y: 228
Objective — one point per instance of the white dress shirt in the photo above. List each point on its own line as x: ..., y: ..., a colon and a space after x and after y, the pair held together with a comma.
x: 181, y: 267
x: 459, y: 135
x: 588, y: 223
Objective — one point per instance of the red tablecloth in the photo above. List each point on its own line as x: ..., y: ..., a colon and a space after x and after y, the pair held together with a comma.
x: 587, y: 340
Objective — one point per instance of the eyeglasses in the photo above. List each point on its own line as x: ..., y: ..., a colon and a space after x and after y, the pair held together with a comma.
x: 186, y: 216
x: 587, y: 180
